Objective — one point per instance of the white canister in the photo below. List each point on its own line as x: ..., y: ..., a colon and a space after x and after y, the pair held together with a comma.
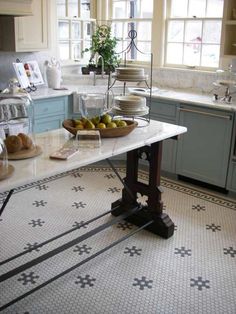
x: 53, y: 73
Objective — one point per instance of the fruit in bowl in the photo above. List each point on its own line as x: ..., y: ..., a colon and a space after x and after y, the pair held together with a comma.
x: 107, y: 126
x: 99, y: 122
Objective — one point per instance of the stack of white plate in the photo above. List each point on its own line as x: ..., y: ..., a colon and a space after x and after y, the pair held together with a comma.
x: 130, y: 74
x: 130, y: 106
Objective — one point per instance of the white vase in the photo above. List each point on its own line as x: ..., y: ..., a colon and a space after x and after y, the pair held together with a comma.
x: 53, y: 73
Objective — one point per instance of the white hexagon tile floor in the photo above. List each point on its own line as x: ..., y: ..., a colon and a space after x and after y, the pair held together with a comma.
x: 194, y: 271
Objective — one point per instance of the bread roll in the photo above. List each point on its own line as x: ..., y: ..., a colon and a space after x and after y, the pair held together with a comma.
x: 26, y: 140
x: 13, y: 143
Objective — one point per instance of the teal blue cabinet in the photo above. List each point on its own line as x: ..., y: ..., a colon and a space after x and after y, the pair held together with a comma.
x: 203, y: 152
x: 231, y: 179
x: 49, y: 113
x: 166, y: 112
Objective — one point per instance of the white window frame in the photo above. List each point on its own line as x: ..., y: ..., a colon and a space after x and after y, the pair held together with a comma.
x: 185, y: 19
x: 129, y: 20
x: 82, y: 39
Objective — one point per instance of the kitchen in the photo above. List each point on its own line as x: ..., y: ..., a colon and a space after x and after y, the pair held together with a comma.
x: 181, y: 95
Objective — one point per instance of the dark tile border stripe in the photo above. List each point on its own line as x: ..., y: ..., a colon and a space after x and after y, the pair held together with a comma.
x: 165, y: 182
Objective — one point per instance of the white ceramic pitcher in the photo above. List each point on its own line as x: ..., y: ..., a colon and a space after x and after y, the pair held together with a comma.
x: 53, y: 73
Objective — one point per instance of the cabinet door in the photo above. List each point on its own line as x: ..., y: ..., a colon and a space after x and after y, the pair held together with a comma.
x: 31, y: 32
x: 228, y: 34
x: 50, y: 113
x: 166, y: 112
x: 231, y: 180
x: 203, y: 152
x: 48, y: 124
x: 15, y: 7
x: 168, y: 150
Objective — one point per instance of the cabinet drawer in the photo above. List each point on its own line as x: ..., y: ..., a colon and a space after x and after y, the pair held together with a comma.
x: 163, y: 119
x: 43, y: 125
x: 50, y: 107
x: 164, y: 109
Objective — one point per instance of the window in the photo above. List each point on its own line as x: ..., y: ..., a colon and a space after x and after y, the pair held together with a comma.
x: 129, y: 15
x: 193, y: 33
x: 75, y: 27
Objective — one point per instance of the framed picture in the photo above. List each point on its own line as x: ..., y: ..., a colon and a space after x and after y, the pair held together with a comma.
x: 21, y: 74
x: 28, y: 73
x: 33, y: 72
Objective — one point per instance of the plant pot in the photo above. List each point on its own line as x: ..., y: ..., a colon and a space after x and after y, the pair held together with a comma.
x: 98, y: 70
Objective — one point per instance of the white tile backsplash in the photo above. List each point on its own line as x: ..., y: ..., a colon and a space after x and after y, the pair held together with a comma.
x: 192, y: 80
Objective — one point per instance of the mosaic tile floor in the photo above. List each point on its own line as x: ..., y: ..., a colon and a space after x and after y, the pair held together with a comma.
x: 192, y: 272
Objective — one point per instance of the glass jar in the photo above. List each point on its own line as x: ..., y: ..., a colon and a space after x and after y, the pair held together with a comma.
x: 3, y: 160
x: 93, y: 105
x: 16, y: 119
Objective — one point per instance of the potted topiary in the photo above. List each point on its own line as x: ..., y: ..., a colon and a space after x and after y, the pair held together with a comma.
x: 102, y: 52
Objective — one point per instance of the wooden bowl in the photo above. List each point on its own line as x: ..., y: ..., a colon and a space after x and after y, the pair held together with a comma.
x: 69, y: 125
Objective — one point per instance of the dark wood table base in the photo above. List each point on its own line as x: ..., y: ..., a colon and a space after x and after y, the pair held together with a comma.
x: 162, y: 224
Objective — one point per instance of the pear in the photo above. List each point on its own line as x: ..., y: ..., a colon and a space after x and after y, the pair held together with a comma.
x: 78, y: 122
x: 106, y: 118
x: 121, y: 123
x: 84, y: 120
x: 89, y: 125
x: 116, y: 121
x: 95, y: 120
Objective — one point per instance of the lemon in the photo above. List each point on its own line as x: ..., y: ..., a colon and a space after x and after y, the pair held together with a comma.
x: 79, y: 126
x: 111, y: 125
x: 101, y: 125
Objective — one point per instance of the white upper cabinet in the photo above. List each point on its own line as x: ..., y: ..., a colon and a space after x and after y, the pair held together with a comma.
x: 16, y: 7
x: 28, y: 33
x: 228, y: 47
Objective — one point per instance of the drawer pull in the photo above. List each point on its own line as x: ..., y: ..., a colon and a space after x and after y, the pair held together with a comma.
x: 206, y: 113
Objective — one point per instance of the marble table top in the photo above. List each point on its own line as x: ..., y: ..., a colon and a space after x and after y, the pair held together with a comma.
x: 36, y: 168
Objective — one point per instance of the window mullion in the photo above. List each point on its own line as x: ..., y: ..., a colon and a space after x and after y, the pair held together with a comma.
x: 183, y: 44
x: 67, y: 8
x: 188, y: 5
x: 206, y: 7
x: 201, y: 43
x: 79, y: 7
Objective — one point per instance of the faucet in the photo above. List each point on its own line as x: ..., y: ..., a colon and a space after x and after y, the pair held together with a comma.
x: 227, y: 97
x: 98, y: 57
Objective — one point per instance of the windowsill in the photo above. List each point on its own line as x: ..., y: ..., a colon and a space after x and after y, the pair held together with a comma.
x: 71, y: 63
x: 186, y: 70
x: 81, y: 63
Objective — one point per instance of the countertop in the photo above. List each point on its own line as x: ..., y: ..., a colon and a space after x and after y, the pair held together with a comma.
x: 180, y: 96
x: 183, y: 96
x: 32, y: 169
